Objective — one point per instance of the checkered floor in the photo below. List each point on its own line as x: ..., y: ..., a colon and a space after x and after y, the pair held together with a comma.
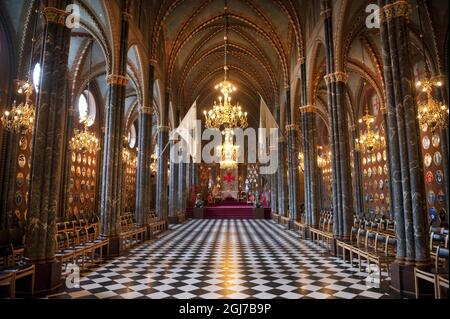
x: 229, y: 259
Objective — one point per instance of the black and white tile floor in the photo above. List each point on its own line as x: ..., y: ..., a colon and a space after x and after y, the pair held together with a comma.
x: 230, y: 259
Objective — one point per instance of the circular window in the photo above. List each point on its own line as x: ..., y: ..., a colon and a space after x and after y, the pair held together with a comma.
x: 37, y: 76
x: 132, y: 136
x: 86, y: 108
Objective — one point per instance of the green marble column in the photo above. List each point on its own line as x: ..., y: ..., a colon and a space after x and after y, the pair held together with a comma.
x: 46, y: 170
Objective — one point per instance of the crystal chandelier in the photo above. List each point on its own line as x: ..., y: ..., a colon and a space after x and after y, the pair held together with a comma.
x: 369, y: 140
x: 20, y: 119
x: 224, y: 114
x: 301, y: 162
x: 228, y: 151
x: 84, y: 141
x: 431, y: 113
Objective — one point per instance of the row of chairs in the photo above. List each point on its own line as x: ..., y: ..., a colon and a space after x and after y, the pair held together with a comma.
x: 156, y: 225
x: 131, y: 234
x: 374, y: 247
x: 379, y: 225
x: 324, y: 232
x: 438, y: 276
x: 79, y: 242
x: 12, y: 269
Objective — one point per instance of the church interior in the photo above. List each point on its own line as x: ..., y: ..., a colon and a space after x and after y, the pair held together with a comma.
x: 109, y: 188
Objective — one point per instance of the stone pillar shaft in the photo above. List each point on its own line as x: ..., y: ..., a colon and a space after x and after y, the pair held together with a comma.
x: 144, y: 174
x: 111, y: 192
x: 163, y: 158
x: 46, y: 170
x: 404, y: 145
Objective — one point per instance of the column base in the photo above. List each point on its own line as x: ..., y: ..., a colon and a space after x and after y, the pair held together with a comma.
x: 173, y: 220
x: 199, y: 213
x: 402, y: 281
x: 258, y: 213
x: 47, y: 277
x: 114, y: 248
x: 291, y: 225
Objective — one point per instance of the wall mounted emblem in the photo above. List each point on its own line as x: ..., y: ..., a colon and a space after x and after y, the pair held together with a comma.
x: 431, y: 198
x: 439, y: 177
x: 436, y: 140
x: 426, y: 143
x: 429, y: 177
x: 437, y: 158
x: 22, y: 161
x: 427, y: 160
x: 19, y: 198
x: 20, y: 180
x: 23, y: 143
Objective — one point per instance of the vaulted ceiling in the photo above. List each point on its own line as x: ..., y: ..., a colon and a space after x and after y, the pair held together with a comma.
x: 260, y: 38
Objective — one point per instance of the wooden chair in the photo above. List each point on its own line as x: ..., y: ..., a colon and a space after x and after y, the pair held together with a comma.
x: 9, y: 279
x: 440, y: 270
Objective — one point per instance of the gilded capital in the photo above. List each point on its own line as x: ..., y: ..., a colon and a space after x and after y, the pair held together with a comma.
x: 54, y: 15
x: 394, y: 10
x: 115, y: 79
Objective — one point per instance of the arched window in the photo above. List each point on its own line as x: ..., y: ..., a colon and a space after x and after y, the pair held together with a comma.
x: 87, y: 108
x: 132, y: 137
x: 37, y: 76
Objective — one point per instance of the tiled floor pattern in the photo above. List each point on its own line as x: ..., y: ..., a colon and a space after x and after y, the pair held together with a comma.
x: 232, y: 259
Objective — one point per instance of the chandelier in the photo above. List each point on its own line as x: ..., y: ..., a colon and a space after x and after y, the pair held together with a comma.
x: 20, y: 119
x: 301, y: 162
x: 224, y: 114
x: 228, y: 151
x: 431, y: 113
x: 369, y: 140
x: 84, y: 141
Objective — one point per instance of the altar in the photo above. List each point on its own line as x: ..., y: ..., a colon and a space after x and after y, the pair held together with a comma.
x: 228, y: 194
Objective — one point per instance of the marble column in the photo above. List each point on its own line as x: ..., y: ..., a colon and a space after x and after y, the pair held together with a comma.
x: 338, y: 118
x: 292, y: 131
x: 332, y: 118
x: 283, y: 192
x: 47, y: 158
x: 182, y: 184
x: 163, y: 158
x: 359, y: 202
x: 111, y: 191
x: 308, y: 121
x: 404, y: 145
x: 144, y: 173
x: 173, y: 189
x: 274, y: 192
